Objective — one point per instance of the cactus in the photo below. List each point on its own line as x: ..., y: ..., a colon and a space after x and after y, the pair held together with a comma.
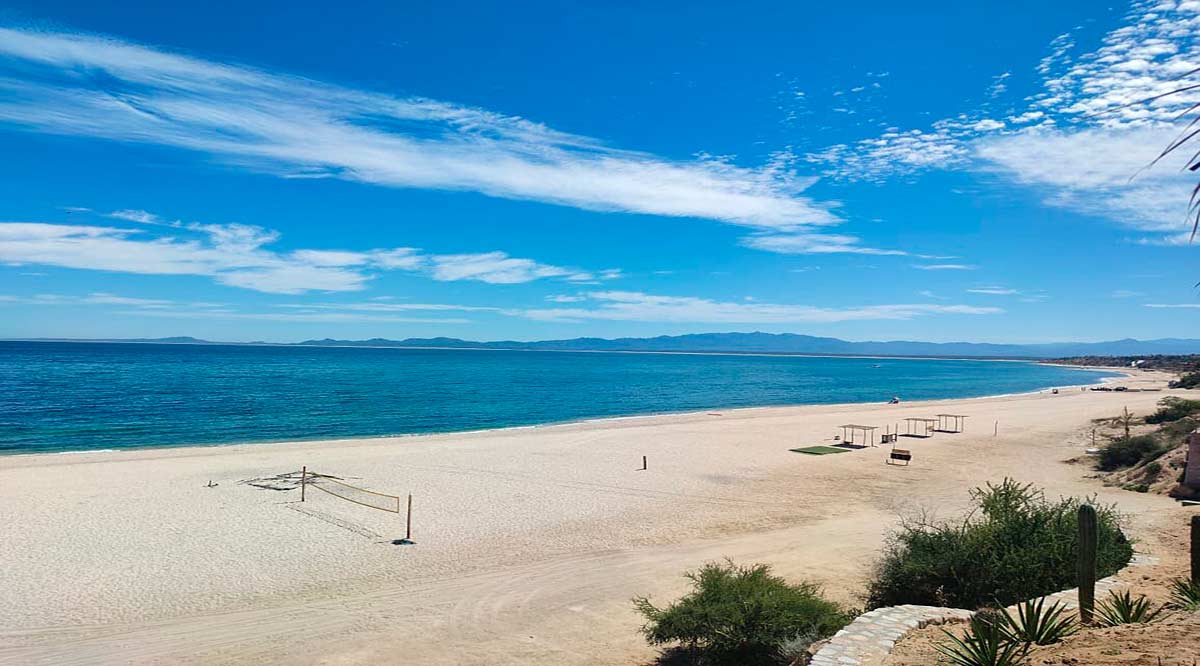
x: 1196, y: 550
x: 1087, y: 563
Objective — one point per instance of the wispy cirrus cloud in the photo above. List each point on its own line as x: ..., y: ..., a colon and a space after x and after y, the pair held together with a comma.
x: 585, y: 306
x: 105, y: 298
x: 295, y: 313
x: 130, y: 215
x: 944, y: 267
x: 499, y: 268
x: 813, y: 243
x: 993, y: 291
x: 90, y: 86
x: 1084, y: 141
x: 239, y: 255
x: 638, y: 306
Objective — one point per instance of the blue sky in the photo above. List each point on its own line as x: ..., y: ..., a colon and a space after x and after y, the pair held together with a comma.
x: 491, y: 171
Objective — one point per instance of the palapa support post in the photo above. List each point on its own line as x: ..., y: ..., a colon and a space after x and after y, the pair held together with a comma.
x: 303, y: 481
x: 1087, y: 563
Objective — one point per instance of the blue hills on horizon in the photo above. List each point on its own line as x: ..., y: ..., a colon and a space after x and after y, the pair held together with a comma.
x: 756, y: 342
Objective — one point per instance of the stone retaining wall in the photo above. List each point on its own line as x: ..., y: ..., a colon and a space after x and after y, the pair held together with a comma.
x: 871, y: 636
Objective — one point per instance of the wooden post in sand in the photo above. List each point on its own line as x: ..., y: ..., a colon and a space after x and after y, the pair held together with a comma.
x: 996, y: 429
x: 643, y: 463
x: 303, y: 480
x: 408, y: 522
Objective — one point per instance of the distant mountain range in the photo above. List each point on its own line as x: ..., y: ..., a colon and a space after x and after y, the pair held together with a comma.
x: 765, y: 343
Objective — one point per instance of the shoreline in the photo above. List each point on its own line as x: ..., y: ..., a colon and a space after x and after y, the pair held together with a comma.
x: 1118, y: 374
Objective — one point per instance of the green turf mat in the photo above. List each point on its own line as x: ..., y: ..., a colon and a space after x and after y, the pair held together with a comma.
x: 818, y: 450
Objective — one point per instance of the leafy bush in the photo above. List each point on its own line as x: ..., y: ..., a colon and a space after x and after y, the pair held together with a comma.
x: 985, y: 644
x: 1016, y: 545
x: 742, y: 615
x: 1173, y: 409
x: 1127, y: 452
x: 1123, y: 608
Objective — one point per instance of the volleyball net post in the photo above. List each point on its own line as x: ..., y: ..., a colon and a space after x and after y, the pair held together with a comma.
x: 408, y: 521
x: 335, y: 486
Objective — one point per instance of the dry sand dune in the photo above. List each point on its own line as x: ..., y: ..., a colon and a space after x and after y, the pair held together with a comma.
x: 530, y: 542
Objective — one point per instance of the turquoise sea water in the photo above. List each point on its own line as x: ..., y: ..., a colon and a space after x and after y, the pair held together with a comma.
x: 85, y: 396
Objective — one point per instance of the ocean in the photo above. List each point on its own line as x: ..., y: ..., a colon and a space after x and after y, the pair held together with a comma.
x: 64, y: 396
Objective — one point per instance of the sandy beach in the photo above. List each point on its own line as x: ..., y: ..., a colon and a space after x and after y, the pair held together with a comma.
x: 529, y: 542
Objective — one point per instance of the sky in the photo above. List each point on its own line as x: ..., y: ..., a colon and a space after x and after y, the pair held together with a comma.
x: 485, y: 170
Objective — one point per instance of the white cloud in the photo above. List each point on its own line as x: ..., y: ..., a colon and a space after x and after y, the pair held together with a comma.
x: 944, y: 267
x: 994, y: 291
x: 895, y: 153
x: 302, y: 317
x: 132, y: 216
x: 810, y: 243
x: 81, y: 85
x: 1125, y: 293
x: 237, y: 255
x: 637, y: 306
x: 105, y: 298
x: 376, y: 306
x: 1100, y: 171
x: 499, y: 268
x: 566, y: 299
x: 311, y: 313
x: 1174, y: 306
x: 1085, y: 140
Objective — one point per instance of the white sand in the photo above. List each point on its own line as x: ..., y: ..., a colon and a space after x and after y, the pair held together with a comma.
x: 530, y: 542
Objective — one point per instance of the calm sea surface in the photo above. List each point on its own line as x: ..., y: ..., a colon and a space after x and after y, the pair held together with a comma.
x: 80, y: 396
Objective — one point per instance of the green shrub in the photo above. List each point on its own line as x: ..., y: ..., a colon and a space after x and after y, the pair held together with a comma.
x: 1037, y: 624
x: 1136, y: 487
x: 1152, y: 470
x: 1173, y: 409
x: 1185, y: 595
x: 1175, y: 430
x: 1124, y: 452
x: 742, y: 615
x: 986, y: 643
x: 1123, y: 608
x: 1016, y: 545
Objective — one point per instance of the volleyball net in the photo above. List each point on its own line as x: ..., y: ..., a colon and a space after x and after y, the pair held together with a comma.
x: 342, y: 490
